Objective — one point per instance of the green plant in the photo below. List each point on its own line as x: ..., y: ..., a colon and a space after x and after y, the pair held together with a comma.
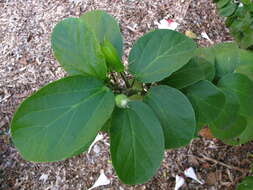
x: 246, y: 184
x: 239, y: 20
x: 174, y: 89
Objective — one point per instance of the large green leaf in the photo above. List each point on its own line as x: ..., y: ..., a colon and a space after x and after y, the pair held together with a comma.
x: 105, y: 27
x: 245, y: 136
x: 231, y: 131
x: 197, y: 69
x: 246, y: 184
x: 84, y: 148
x: 242, y: 86
x: 107, y: 126
x: 226, y: 58
x: 137, y: 143
x: 158, y: 54
x: 246, y: 70
x: 207, y: 100
x: 206, y: 53
x: 229, y: 112
x: 175, y: 113
x: 246, y: 63
x: 229, y: 59
x: 77, y: 50
x: 61, y: 118
x: 247, y: 40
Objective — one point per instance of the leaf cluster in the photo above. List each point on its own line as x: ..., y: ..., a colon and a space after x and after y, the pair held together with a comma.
x: 169, y: 90
x: 239, y: 20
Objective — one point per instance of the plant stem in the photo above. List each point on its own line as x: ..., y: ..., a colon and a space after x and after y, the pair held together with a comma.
x: 133, y: 83
x: 114, y: 78
x: 125, y: 80
x: 133, y: 92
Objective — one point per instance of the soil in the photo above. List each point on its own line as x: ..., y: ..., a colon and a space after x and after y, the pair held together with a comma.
x: 26, y: 64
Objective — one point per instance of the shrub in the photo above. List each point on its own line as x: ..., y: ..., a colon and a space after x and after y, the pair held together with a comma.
x: 174, y: 89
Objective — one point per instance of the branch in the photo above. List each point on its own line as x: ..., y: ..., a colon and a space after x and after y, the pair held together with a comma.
x: 125, y: 79
x: 221, y: 163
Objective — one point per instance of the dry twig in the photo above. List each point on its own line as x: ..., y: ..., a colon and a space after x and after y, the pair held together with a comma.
x: 204, y: 157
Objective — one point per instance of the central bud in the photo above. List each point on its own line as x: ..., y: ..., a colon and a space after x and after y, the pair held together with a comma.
x: 121, y: 100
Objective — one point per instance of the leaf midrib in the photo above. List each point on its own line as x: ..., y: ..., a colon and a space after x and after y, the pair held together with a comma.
x: 72, y: 107
x: 164, y: 54
x: 132, y: 142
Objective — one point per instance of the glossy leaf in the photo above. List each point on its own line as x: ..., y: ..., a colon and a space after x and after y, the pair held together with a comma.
x: 105, y: 27
x: 242, y: 86
x: 197, y: 69
x: 175, y: 113
x: 77, y: 50
x: 246, y: 184
x: 61, y: 119
x: 207, y: 100
x: 137, y: 143
x: 158, y: 54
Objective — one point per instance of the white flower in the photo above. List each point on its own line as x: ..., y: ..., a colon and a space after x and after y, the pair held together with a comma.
x: 167, y: 24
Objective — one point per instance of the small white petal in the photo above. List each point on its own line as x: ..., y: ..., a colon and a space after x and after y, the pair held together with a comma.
x: 191, y: 174
x: 180, y: 181
x: 102, y: 180
x: 204, y: 35
x: 99, y: 137
x: 43, y: 177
